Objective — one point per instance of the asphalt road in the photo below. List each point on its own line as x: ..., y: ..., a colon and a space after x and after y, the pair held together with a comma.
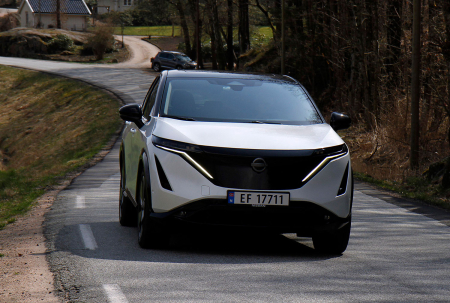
x: 398, y: 252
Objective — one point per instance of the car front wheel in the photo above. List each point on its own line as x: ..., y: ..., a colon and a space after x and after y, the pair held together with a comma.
x: 334, y: 242
x: 150, y: 234
x: 156, y: 67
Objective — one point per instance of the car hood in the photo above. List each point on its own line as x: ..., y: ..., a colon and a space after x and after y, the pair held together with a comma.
x: 247, y: 135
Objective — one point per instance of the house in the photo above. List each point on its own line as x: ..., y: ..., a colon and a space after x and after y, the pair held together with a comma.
x: 74, y: 14
x: 106, y: 6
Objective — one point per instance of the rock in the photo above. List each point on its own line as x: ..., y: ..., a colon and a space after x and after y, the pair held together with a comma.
x: 67, y: 53
x: 435, y: 170
x: 446, y: 175
x: 114, y: 61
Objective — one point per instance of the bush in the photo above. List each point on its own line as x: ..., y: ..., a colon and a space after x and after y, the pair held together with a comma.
x: 60, y: 43
x: 9, y: 21
x: 101, y: 41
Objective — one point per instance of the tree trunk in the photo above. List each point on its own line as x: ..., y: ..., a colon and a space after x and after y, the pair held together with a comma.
x: 230, y: 51
x: 394, y: 34
x: 185, y: 29
x: 446, y: 51
x: 244, y: 26
x: 58, y: 14
x: 415, y: 87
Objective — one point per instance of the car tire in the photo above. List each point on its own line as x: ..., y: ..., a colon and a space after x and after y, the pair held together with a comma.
x: 127, y: 213
x: 150, y: 234
x: 179, y: 67
x: 335, y: 242
x: 156, y: 67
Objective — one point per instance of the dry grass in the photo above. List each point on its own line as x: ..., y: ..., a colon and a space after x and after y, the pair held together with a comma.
x: 381, y: 156
x: 49, y: 126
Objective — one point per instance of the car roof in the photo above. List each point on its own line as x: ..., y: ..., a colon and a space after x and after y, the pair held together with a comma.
x: 226, y: 75
x: 171, y: 52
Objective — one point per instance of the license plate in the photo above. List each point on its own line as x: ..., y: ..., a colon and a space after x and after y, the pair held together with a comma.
x: 258, y: 198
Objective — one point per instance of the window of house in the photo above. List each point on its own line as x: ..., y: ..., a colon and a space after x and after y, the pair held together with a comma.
x: 127, y: 2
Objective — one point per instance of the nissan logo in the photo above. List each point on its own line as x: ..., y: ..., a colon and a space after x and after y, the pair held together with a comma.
x: 259, y: 165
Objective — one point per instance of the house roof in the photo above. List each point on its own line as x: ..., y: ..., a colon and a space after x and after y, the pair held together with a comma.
x: 71, y: 7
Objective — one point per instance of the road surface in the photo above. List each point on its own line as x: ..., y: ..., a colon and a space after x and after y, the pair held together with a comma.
x: 398, y: 252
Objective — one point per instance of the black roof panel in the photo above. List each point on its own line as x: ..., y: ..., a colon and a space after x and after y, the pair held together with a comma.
x: 71, y: 7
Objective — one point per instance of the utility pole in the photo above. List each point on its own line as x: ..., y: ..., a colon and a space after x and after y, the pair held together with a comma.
x: 415, y: 86
x: 282, y: 39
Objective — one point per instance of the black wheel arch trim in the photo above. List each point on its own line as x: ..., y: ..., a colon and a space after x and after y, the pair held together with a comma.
x: 144, y: 165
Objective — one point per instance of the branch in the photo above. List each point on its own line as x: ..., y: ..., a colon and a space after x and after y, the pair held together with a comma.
x: 266, y: 13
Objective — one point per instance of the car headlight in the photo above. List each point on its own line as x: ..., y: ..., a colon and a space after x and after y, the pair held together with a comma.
x: 180, y: 146
x: 181, y: 149
x: 330, y: 153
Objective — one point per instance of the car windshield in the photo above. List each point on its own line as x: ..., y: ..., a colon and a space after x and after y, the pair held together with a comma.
x: 238, y: 100
x: 183, y: 57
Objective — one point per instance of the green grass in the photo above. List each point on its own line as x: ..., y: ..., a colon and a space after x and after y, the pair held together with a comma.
x: 413, y: 187
x: 166, y: 30
x: 49, y: 127
x: 148, y: 30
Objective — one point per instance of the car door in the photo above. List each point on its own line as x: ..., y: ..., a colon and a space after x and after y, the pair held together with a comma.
x: 171, y: 62
x: 164, y: 57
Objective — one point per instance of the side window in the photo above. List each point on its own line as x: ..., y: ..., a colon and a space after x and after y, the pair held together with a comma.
x: 170, y: 56
x: 163, y: 55
x: 150, y: 99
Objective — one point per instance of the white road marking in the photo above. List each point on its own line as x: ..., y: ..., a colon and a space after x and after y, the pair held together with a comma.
x: 115, y: 295
x: 88, y: 237
x: 81, y: 202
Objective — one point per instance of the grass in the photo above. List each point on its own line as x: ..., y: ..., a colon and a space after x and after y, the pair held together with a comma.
x: 49, y: 127
x: 148, y: 30
x: 412, y: 187
x: 260, y: 32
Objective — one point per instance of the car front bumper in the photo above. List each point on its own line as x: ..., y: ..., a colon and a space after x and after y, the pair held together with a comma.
x: 194, y: 200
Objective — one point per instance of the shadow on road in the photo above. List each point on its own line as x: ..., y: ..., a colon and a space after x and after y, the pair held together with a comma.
x: 120, y: 243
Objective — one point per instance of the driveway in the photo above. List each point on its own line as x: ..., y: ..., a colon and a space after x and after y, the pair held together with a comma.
x: 399, y: 251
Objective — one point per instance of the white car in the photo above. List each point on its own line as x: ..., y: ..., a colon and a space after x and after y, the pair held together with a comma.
x: 251, y: 151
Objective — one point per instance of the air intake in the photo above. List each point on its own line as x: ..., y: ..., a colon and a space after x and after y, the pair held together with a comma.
x: 343, y: 186
x: 162, y: 176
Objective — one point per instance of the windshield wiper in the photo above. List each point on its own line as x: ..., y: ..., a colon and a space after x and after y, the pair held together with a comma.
x: 180, y: 118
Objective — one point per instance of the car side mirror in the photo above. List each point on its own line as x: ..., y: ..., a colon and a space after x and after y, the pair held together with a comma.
x: 132, y: 113
x: 340, y: 121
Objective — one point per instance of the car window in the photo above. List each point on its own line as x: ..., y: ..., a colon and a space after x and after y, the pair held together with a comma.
x: 150, y: 99
x: 239, y: 100
x: 163, y: 55
x: 183, y: 57
x: 169, y: 56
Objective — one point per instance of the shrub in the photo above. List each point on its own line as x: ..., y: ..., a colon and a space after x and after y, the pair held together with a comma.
x: 102, y: 40
x: 9, y: 21
x: 60, y: 43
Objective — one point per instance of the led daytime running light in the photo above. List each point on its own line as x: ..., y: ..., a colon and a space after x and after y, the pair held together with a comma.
x: 188, y: 158
x: 322, y: 165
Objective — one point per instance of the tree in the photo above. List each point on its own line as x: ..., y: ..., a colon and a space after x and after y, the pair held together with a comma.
x: 415, y: 88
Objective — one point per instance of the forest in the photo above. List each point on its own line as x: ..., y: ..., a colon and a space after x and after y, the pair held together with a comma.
x: 353, y: 56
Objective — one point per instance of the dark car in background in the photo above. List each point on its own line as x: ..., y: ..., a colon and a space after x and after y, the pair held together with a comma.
x: 172, y: 60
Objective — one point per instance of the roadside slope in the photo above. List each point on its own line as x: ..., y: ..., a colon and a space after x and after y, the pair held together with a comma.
x: 49, y: 127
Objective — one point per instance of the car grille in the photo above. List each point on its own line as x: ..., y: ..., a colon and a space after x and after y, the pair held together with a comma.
x: 232, y: 168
